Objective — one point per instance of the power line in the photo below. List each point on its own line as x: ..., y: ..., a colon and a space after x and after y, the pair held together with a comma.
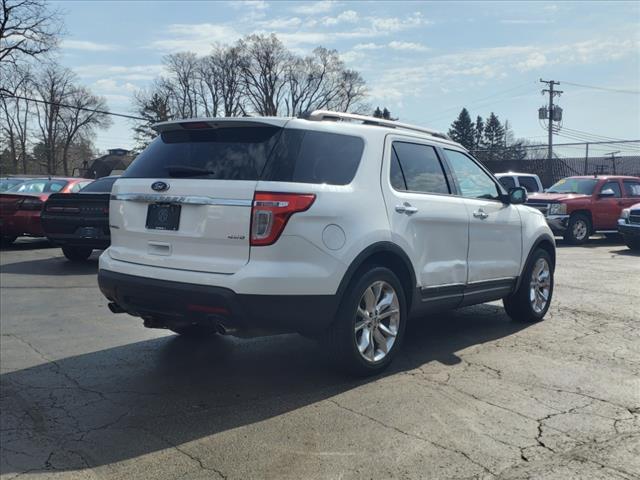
x: 606, y: 89
x: 588, y: 134
x: 93, y: 110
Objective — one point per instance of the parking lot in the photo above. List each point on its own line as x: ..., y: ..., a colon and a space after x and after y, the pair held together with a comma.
x: 89, y: 394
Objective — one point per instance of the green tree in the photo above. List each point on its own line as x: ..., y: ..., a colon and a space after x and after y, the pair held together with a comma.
x: 377, y: 113
x: 462, y: 130
x: 493, y: 138
x: 478, y: 132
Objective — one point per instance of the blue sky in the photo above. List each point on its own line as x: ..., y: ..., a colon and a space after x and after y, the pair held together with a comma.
x: 422, y: 60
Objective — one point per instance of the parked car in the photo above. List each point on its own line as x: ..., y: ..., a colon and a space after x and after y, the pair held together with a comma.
x: 79, y: 222
x: 21, y: 205
x: 577, y: 207
x: 530, y: 181
x: 336, y: 226
x: 9, y: 182
x: 629, y: 225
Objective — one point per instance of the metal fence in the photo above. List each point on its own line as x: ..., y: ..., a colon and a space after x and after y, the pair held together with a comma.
x: 602, y: 158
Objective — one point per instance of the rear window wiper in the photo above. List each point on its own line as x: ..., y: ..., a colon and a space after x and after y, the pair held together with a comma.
x: 187, y: 171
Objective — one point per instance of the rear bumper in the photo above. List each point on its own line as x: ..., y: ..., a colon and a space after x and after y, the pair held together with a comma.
x: 168, y: 303
x: 80, y: 232
x: 558, y: 223
x: 22, y: 222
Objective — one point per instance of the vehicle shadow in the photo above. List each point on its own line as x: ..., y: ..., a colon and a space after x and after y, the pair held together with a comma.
x: 128, y: 401
x: 599, y: 241
x: 626, y: 252
x: 27, y: 244
x: 52, y: 266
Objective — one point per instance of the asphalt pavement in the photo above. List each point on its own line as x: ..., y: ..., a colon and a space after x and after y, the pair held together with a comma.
x: 85, y: 394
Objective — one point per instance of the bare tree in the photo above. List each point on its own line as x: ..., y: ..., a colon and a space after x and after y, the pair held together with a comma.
x: 182, y: 83
x: 264, y: 66
x: 228, y: 61
x: 27, y: 29
x: 208, y: 86
x: 80, y: 121
x: 15, y: 111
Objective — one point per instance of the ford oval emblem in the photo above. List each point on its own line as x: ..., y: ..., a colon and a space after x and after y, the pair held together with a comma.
x: 160, y: 186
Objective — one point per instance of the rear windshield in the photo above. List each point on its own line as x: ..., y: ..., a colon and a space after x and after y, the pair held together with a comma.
x: 267, y: 153
x: 39, y: 186
x: 102, y: 185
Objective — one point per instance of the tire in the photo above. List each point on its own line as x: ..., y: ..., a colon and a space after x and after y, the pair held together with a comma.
x: 344, y: 342
x: 6, y: 241
x: 77, y: 254
x: 195, y: 331
x: 632, y: 242
x: 578, y: 230
x: 519, y: 305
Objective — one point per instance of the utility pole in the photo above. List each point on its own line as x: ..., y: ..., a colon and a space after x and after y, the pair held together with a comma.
x: 613, y: 159
x: 551, y: 116
x: 586, y: 158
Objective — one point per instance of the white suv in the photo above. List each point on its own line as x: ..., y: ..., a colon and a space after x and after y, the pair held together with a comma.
x: 335, y: 226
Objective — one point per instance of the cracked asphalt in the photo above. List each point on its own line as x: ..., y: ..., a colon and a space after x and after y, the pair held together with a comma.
x: 86, y: 394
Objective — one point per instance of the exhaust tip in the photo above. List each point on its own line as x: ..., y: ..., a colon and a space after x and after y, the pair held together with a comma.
x: 222, y: 329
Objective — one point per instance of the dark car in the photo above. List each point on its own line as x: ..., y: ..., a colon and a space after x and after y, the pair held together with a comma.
x: 21, y: 205
x: 79, y: 222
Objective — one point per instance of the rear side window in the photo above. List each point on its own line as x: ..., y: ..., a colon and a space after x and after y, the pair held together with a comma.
x: 420, y: 168
x: 507, y: 182
x: 307, y: 156
x: 631, y: 188
x: 529, y: 183
x: 233, y: 153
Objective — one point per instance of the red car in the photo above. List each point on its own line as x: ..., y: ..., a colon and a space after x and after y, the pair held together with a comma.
x: 576, y: 207
x: 21, y: 205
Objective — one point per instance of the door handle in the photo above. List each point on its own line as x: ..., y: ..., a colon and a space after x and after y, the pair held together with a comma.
x: 481, y: 214
x: 406, y: 208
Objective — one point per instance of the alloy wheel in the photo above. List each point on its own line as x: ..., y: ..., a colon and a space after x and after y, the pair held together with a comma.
x: 377, y: 321
x: 540, y: 285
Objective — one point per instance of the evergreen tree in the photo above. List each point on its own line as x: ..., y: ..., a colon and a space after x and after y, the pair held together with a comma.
x: 462, y: 130
x: 493, y: 139
x: 377, y: 113
x: 478, y: 132
x: 386, y: 114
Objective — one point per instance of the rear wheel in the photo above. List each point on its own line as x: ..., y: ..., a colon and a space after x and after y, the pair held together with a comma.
x: 578, y: 230
x: 77, y: 254
x: 6, y: 241
x: 370, y: 324
x: 533, y: 297
x: 632, y: 242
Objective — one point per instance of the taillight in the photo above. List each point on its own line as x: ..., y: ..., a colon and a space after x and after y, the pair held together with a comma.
x: 271, y: 211
x: 56, y: 209
x: 30, y: 204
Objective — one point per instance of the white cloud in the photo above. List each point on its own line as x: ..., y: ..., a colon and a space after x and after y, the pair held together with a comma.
x: 197, y: 38
x: 395, y: 24
x: 551, y: 8
x: 408, y: 46
x: 314, y: 8
x: 279, y: 23
x: 367, y: 46
x: 254, y: 4
x: 348, y: 16
x: 534, y: 60
x: 110, y: 85
x: 129, y: 73
x: 526, y: 21
x: 88, y: 46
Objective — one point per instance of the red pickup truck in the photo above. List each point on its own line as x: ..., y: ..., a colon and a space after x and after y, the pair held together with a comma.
x: 576, y: 207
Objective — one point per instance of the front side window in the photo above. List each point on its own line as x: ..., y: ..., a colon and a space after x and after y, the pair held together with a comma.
x: 631, y: 188
x: 529, y: 183
x: 473, y: 181
x: 615, y: 186
x: 419, y: 167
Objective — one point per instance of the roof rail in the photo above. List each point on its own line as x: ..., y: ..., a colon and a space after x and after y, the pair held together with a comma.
x: 367, y: 120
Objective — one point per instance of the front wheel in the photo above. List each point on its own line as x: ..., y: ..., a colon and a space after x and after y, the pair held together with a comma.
x: 578, y: 230
x: 632, y: 242
x: 532, y: 299
x: 370, y: 323
x: 77, y: 254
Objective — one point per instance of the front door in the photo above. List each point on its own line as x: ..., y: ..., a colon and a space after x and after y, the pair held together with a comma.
x: 495, y: 231
x: 607, y: 209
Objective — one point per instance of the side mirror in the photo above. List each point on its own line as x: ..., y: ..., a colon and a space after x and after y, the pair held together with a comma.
x: 607, y: 193
x: 517, y: 195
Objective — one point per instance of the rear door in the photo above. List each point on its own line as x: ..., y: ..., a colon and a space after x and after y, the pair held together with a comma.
x: 630, y: 192
x: 429, y: 223
x: 185, y: 202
